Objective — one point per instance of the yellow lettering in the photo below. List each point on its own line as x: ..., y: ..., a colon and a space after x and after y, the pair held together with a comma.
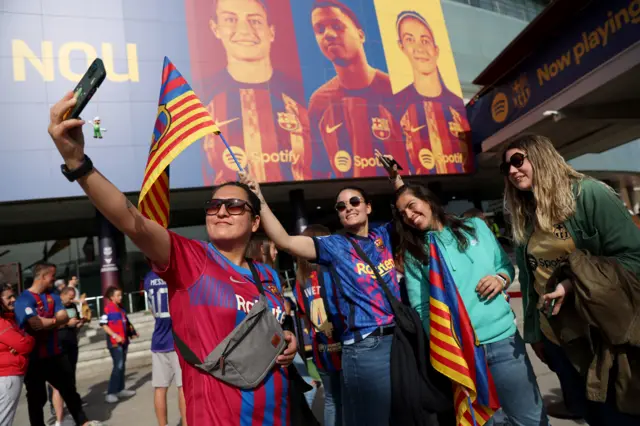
x: 634, y: 11
x: 132, y: 74
x: 594, y: 40
x: 360, y: 269
x: 578, y: 51
x: 65, y: 62
x: 543, y: 74
x: 21, y: 52
x: 625, y: 17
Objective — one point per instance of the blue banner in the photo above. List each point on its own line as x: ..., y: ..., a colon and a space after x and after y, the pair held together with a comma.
x: 598, y: 33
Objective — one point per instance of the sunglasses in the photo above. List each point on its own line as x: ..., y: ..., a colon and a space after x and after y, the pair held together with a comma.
x: 234, y: 206
x: 353, y: 202
x: 516, y: 160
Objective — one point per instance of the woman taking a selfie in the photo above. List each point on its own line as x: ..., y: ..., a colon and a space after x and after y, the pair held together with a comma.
x: 481, y: 270
x: 556, y: 211
x: 211, y: 286
x: 367, y: 338
x: 15, y: 347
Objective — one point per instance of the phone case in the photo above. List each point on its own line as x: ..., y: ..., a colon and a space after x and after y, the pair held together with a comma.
x: 87, y: 87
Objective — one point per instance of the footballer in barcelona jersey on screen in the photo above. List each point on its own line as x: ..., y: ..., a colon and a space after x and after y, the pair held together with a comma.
x: 310, y: 89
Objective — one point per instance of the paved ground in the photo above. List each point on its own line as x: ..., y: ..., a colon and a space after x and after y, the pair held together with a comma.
x: 139, y: 409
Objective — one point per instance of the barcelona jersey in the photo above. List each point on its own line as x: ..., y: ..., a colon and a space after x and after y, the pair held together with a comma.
x: 351, y: 125
x: 360, y: 298
x: 267, y: 126
x: 115, y: 317
x: 44, y: 305
x: 436, y: 132
x: 317, y: 299
x: 208, y: 297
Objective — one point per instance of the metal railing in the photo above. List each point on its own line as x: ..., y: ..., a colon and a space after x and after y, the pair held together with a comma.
x: 95, y: 305
x: 525, y: 10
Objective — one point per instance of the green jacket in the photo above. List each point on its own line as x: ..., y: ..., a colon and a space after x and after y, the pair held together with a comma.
x: 601, y: 225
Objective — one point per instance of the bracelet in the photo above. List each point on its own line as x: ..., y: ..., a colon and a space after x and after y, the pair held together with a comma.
x: 503, y: 279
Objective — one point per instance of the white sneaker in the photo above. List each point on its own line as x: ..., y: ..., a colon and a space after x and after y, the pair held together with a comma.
x: 95, y: 423
x: 111, y: 398
x: 125, y: 393
x: 58, y: 424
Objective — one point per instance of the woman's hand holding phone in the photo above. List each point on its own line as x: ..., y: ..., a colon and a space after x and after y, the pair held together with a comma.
x: 67, y: 134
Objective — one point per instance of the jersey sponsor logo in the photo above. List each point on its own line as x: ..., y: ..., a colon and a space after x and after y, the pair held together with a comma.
x: 284, y: 156
x: 366, y: 162
x: 331, y: 129
x: 245, y: 306
x: 383, y: 268
x: 288, y: 121
x: 342, y: 161
x: 427, y: 159
x: 380, y: 128
x: 456, y: 158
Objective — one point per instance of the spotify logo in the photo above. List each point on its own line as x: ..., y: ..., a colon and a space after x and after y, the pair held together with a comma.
x: 342, y: 160
x: 228, y: 159
x: 427, y: 159
x: 500, y: 107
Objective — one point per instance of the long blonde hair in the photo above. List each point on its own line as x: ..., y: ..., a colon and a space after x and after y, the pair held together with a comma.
x: 305, y: 267
x: 551, y: 199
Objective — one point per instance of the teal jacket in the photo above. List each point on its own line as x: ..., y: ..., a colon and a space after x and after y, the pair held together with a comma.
x: 601, y: 225
x: 493, y: 320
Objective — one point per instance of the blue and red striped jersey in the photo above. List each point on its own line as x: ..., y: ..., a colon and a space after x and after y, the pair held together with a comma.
x: 436, y: 132
x: 208, y: 297
x: 44, y: 305
x: 361, y: 300
x: 267, y: 126
x: 350, y: 125
x: 116, y: 318
x: 318, y: 301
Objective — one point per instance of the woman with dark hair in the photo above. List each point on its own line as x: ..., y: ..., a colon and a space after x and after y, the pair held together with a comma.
x: 210, y: 284
x: 481, y: 271
x: 368, y: 316
x: 316, y: 296
x: 261, y: 249
x: 15, y: 347
x: 118, y: 330
x: 557, y: 213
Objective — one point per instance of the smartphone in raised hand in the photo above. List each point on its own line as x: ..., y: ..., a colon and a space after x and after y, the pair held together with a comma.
x: 388, y: 163
x: 86, y: 88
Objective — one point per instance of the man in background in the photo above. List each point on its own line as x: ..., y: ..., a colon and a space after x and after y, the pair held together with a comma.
x: 259, y: 109
x: 165, y: 365
x: 432, y: 117
x: 351, y: 112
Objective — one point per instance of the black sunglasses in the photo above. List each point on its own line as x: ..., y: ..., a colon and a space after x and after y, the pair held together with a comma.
x: 353, y: 202
x: 516, y: 160
x: 234, y: 206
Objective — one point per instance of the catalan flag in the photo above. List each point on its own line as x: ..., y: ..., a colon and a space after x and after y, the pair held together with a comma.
x: 181, y: 120
x: 454, y: 348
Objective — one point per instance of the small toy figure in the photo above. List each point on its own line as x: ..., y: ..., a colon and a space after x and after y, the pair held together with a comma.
x: 97, y: 130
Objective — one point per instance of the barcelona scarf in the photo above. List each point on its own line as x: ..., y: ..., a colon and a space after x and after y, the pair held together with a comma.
x: 454, y: 348
x: 181, y: 120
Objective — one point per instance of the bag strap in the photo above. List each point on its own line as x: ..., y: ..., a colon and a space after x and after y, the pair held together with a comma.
x: 256, y: 276
x: 185, y: 350
x: 392, y: 299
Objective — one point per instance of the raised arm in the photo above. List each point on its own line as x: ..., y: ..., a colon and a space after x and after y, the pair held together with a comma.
x: 152, y: 239
x: 296, y: 245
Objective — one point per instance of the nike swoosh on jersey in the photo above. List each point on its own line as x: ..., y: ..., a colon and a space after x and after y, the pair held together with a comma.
x: 331, y: 129
x: 415, y: 129
x: 224, y: 123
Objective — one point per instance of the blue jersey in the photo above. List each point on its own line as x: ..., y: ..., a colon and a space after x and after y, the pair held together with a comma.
x: 44, y: 305
x: 158, y: 298
x: 361, y: 300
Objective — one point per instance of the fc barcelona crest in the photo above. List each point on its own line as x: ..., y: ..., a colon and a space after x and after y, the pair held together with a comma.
x: 163, y: 122
x: 455, y: 126
x: 288, y: 121
x: 380, y: 128
x: 379, y: 243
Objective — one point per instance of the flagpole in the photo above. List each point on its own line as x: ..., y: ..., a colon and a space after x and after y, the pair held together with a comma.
x: 231, y: 152
x: 473, y: 413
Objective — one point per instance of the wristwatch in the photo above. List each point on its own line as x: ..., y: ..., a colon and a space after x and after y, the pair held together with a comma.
x: 75, y: 174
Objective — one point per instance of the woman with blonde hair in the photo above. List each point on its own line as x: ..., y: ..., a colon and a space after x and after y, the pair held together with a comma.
x: 555, y: 211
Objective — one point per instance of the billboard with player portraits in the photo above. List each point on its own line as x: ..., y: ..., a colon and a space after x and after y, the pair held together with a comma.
x: 302, y: 89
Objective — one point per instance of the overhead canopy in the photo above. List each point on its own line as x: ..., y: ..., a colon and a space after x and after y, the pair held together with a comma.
x: 571, y: 75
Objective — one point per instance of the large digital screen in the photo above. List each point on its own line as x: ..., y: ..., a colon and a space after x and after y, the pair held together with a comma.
x: 302, y: 89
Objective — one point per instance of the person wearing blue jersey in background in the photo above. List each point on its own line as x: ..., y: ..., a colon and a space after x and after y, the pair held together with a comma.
x: 315, y: 293
x: 370, y: 322
x: 165, y: 366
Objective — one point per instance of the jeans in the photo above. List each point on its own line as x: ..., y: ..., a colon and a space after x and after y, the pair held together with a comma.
x: 515, y: 382
x: 366, y: 382
x: 119, y: 357
x: 58, y: 371
x: 331, y: 383
x: 574, y: 391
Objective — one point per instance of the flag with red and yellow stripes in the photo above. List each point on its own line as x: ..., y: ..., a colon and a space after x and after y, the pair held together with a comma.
x: 181, y: 120
x: 454, y: 348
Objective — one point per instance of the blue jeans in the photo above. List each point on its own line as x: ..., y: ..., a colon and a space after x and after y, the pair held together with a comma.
x: 515, y: 382
x: 574, y: 392
x: 119, y: 357
x: 331, y: 383
x: 366, y: 382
